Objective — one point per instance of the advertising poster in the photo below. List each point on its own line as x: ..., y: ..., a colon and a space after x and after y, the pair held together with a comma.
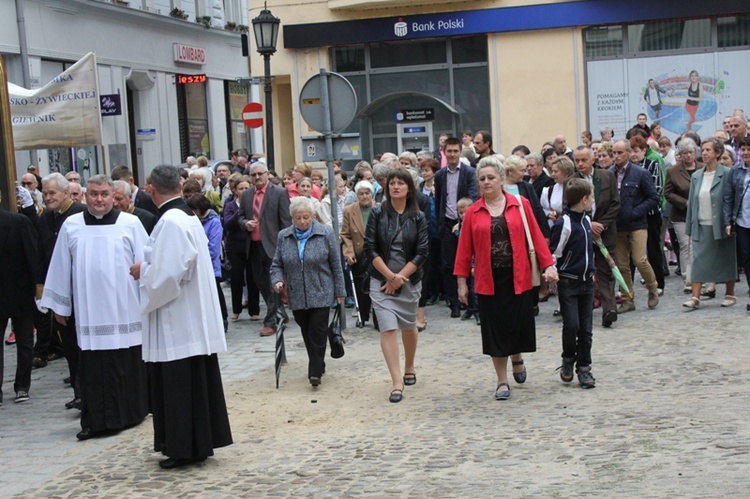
x: 666, y: 89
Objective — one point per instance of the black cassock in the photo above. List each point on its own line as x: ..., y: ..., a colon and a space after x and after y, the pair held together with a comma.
x: 113, y: 382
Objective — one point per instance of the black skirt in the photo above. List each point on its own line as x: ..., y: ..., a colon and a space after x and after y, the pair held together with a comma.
x: 508, y: 324
x: 190, y: 413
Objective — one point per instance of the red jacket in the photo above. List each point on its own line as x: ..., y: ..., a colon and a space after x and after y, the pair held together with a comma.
x: 475, y: 241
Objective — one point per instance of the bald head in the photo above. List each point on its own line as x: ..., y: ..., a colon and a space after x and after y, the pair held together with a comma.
x: 29, y: 181
x: 561, y: 144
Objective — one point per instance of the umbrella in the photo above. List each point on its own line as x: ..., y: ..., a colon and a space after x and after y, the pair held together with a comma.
x: 615, y: 270
x: 280, y: 354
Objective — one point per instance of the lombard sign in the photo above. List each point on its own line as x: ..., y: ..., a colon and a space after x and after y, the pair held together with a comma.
x: 188, y: 54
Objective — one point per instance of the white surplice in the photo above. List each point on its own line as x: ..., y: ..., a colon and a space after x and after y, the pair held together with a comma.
x: 178, y: 292
x: 90, y: 268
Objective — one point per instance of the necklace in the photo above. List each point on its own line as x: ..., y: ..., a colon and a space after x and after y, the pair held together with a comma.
x: 496, y: 209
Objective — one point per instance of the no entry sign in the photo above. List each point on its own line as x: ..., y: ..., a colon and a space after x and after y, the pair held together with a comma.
x: 252, y: 115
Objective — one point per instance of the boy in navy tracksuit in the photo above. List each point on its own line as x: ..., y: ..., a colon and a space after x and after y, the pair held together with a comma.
x: 572, y: 246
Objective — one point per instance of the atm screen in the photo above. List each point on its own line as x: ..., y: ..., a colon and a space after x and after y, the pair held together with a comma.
x: 415, y: 129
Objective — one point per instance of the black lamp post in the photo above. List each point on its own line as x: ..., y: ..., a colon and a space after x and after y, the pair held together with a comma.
x: 266, y: 29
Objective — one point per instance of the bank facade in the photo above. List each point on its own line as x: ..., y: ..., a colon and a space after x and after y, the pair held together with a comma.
x: 168, y: 82
x: 523, y: 70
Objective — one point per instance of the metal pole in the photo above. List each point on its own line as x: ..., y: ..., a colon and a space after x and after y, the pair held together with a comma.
x: 328, y: 134
x: 24, y: 49
x: 269, y: 112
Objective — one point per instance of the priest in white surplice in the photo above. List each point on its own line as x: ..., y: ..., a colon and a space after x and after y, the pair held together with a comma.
x: 89, y: 273
x: 183, y: 330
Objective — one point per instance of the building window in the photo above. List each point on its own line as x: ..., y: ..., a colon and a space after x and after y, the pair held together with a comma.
x: 385, y: 55
x: 603, y: 41
x: 193, y: 119
x: 671, y: 35
x: 733, y: 31
x: 351, y: 58
x: 236, y: 100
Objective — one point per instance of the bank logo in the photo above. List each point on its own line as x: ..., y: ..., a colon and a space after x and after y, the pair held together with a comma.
x: 400, y: 28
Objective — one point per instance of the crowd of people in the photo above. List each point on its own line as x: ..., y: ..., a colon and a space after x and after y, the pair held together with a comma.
x: 128, y: 285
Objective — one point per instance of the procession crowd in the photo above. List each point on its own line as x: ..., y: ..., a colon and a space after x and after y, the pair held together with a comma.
x: 125, y: 282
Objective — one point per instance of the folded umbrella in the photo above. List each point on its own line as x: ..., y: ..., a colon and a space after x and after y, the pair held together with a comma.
x: 615, y: 269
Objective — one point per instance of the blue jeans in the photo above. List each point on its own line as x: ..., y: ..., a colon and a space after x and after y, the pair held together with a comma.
x: 577, y: 309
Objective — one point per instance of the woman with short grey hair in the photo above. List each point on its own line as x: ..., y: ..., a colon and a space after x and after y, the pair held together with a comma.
x: 307, y: 257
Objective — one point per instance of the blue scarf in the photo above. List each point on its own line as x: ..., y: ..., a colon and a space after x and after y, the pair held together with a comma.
x: 302, y: 237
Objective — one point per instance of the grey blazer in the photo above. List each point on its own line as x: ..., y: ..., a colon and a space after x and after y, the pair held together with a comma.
x: 274, y: 215
x: 717, y: 202
x: 317, y: 281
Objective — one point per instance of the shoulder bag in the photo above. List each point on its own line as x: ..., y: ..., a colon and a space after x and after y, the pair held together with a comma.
x: 536, y: 275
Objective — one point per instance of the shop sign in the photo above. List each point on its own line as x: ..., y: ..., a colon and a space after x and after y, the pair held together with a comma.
x: 110, y: 105
x: 426, y: 114
x: 188, y: 54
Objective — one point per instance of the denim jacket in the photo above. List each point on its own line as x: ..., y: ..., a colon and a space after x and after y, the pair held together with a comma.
x: 734, y: 189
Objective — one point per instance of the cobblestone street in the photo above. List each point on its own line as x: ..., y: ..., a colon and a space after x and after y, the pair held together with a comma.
x: 669, y: 418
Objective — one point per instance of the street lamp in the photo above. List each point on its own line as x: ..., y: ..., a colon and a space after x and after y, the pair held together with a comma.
x: 266, y: 29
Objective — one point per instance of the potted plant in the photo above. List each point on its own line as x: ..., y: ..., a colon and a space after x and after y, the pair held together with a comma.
x: 230, y: 26
x: 178, y: 13
x: 204, y: 20
x: 242, y: 28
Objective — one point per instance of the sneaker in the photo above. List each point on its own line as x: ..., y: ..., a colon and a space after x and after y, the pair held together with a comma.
x: 585, y: 378
x: 469, y: 314
x: 566, y: 370
x: 21, y: 396
x: 479, y: 321
x: 653, y: 298
x: 349, y: 302
x: 11, y: 338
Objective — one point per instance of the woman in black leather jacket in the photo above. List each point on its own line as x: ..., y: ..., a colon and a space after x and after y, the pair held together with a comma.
x: 397, y: 244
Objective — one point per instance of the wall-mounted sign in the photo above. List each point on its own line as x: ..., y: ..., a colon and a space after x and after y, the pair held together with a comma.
x: 187, y: 79
x: 110, y: 105
x: 427, y: 114
x: 188, y: 54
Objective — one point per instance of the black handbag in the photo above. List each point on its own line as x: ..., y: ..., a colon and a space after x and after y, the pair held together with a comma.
x: 226, y: 265
x: 334, y: 335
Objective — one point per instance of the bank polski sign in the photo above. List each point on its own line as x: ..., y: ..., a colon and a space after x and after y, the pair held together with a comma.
x: 445, y: 26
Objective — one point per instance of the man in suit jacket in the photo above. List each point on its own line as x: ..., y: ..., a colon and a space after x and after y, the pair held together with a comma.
x: 122, y: 201
x: 537, y: 176
x: 638, y: 197
x: 603, y: 225
x: 139, y: 197
x: 18, y: 269
x: 452, y: 183
x: 264, y: 212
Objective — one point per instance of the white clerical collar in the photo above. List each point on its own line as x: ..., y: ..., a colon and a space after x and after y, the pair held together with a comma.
x: 168, y: 200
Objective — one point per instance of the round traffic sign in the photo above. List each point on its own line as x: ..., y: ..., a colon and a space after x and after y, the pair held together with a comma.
x: 342, y: 109
x: 252, y: 115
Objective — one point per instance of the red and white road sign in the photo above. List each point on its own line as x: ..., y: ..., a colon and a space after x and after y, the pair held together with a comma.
x: 252, y: 115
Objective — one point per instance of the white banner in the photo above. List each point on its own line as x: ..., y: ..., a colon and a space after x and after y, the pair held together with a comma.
x: 63, y: 113
x: 620, y: 89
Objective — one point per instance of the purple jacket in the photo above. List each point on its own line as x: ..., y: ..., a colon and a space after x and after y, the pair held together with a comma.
x: 235, y: 235
x: 212, y: 227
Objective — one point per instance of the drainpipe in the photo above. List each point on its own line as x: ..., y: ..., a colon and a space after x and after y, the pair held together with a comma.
x: 24, y: 59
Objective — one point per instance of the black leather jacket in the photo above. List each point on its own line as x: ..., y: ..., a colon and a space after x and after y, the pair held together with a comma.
x: 381, y: 228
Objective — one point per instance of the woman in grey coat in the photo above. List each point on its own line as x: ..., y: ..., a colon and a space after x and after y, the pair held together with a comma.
x: 307, y: 256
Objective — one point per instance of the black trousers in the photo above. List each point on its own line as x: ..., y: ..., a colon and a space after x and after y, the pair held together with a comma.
x: 72, y: 352
x: 653, y: 248
x: 448, y: 248
x: 363, y: 298
x: 24, y: 327
x: 314, y: 325
x: 241, y: 275
x: 47, y: 339
x: 260, y: 263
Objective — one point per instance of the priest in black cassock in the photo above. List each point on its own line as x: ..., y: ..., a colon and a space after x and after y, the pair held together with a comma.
x: 89, y: 272
x: 183, y: 330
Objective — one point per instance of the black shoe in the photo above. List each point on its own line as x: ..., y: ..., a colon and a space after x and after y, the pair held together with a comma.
x: 396, y: 396
x: 566, y: 370
x: 519, y: 377
x: 67, y: 380
x: 455, y: 311
x: 314, y: 380
x: 76, y: 403
x: 38, y: 363
x: 174, y: 462
x: 608, y: 318
x: 536, y: 310
x: 411, y: 380
x: 469, y: 314
x: 87, y: 433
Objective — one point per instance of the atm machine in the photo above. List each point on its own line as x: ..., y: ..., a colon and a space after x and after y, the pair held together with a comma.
x: 415, y: 136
